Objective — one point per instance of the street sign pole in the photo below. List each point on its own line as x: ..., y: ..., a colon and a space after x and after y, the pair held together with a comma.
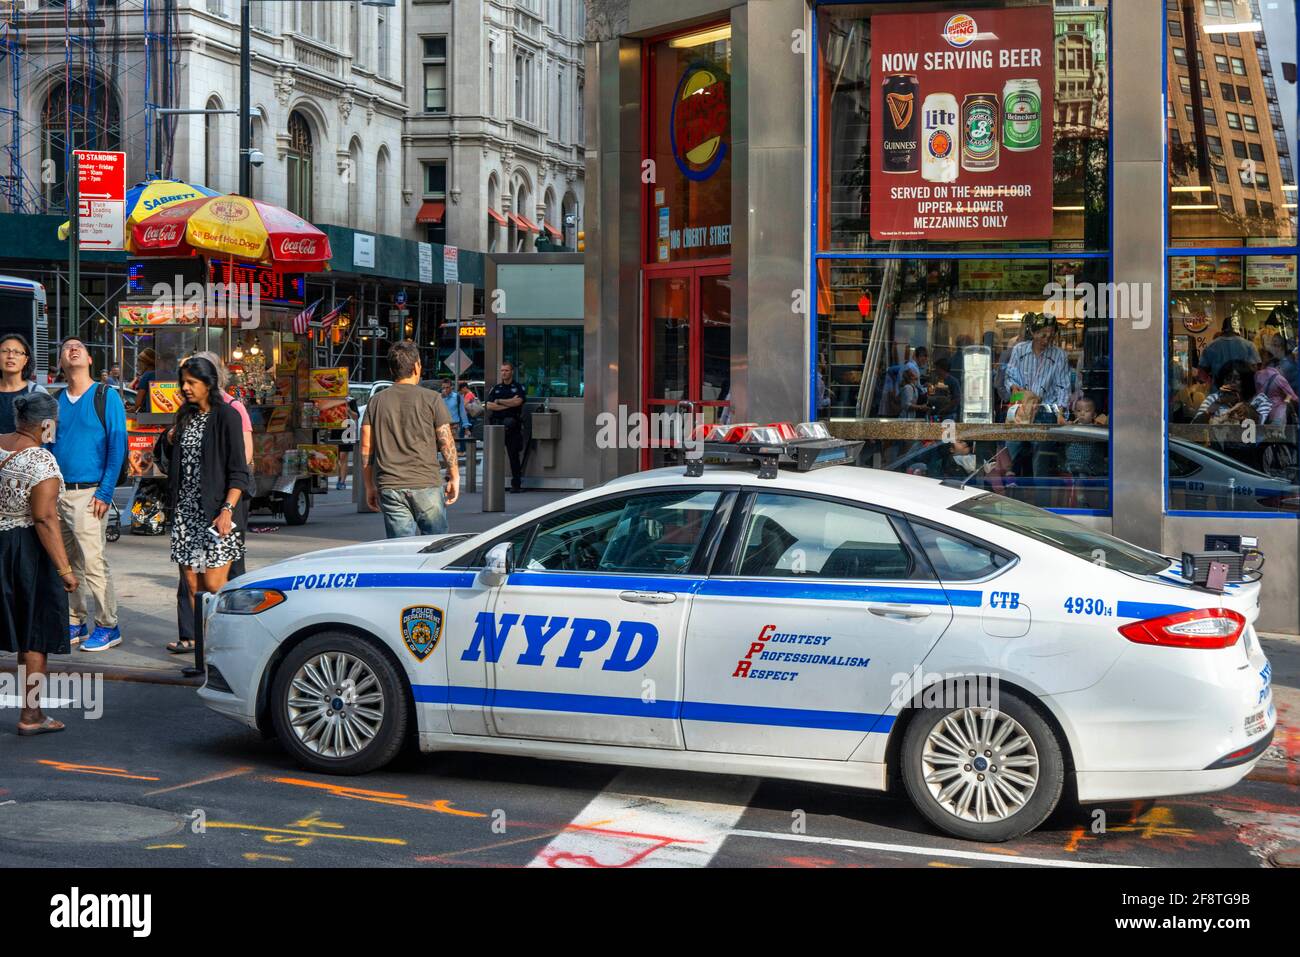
x: 74, y: 245
x: 453, y: 296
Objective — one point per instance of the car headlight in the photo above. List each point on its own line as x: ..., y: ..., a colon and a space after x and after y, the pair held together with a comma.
x: 248, y: 601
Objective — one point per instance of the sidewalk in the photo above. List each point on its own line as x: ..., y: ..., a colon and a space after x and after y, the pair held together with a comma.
x: 146, y: 580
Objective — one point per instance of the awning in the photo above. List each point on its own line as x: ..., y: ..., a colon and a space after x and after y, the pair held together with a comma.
x: 496, y: 217
x: 555, y: 233
x: 523, y: 222
x: 431, y: 212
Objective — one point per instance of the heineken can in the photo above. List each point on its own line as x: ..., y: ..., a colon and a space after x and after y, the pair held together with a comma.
x: 979, y: 132
x: 1022, y: 117
x: 939, y: 139
x: 901, y: 123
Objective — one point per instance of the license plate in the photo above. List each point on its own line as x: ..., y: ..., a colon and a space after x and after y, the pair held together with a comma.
x: 1256, y: 723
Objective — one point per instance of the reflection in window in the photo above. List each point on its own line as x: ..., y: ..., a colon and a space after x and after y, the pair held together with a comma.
x: 547, y: 359
x: 789, y: 536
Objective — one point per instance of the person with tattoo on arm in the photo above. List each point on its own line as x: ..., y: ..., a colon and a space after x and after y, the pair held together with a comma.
x: 405, y: 429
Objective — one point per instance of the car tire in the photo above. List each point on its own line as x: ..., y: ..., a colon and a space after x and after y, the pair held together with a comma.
x: 977, y: 799
x: 372, y: 719
x: 297, y: 505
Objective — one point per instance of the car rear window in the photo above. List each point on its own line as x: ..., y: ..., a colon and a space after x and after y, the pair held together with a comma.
x: 956, y: 559
x: 1062, y: 533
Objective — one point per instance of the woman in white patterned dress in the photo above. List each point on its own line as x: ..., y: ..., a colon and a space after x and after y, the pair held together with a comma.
x: 35, y: 574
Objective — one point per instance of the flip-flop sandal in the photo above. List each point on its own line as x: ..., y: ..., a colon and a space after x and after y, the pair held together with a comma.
x: 48, y: 726
x: 178, y: 647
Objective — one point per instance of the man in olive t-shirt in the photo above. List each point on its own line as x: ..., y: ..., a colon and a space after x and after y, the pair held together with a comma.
x: 405, y: 429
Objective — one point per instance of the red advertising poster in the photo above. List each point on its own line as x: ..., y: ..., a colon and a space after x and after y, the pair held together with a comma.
x: 961, y: 138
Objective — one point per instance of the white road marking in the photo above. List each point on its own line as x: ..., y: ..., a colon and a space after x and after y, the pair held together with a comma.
x: 649, y: 819
x: 924, y: 851
x: 15, y: 701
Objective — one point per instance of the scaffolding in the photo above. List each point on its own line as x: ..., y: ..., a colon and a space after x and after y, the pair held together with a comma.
x: 83, y: 74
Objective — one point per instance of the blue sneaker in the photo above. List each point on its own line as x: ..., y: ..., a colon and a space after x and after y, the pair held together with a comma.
x: 76, y: 633
x: 102, y: 639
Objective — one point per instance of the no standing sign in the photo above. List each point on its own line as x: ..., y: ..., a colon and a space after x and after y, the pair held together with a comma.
x: 101, y: 204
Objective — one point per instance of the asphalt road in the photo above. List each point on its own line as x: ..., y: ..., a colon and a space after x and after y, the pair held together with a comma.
x: 159, y: 781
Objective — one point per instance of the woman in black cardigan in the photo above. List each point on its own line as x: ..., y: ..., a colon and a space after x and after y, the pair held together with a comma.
x: 208, y: 480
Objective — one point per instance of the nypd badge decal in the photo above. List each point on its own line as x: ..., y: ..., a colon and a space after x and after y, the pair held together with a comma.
x: 421, y: 629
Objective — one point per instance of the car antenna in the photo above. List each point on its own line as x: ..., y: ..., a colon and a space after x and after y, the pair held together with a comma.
x: 978, y: 472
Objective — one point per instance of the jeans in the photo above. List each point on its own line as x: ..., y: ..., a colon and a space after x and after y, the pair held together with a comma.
x: 413, y: 511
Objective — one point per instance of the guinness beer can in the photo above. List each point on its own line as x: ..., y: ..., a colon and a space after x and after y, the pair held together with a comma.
x: 939, y: 141
x: 901, y: 125
x: 980, y: 141
x: 1022, y: 118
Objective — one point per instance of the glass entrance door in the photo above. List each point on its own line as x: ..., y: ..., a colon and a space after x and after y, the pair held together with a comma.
x: 687, y: 350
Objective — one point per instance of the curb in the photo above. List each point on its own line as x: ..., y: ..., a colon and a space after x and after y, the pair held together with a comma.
x: 122, y: 673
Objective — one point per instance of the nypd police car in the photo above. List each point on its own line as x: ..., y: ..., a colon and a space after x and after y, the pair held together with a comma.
x: 839, y: 625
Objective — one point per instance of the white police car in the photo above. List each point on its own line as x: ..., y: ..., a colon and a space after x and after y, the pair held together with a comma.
x: 841, y: 625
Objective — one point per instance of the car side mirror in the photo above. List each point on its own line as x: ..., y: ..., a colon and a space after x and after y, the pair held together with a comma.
x: 498, y: 564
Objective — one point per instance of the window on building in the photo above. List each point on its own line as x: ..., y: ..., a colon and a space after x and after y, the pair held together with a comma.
x: 1267, y: 210
x: 525, y: 85
x: 381, y: 191
x: 550, y: 358
x: 1243, y: 95
x: 1205, y: 88
x: 1238, y: 66
x: 1225, y: 91
x: 263, y: 15
x: 1220, y: 174
x: 1175, y: 28
x: 1262, y: 181
x: 1180, y: 56
x: 491, y: 78
x: 298, y: 166
x: 435, y: 188
x: 1211, y: 118
x: 581, y: 105
x: 1249, y: 122
x: 1216, y: 38
x: 97, y: 126
x: 1190, y: 113
x: 212, y: 146
x: 1252, y: 207
x: 1221, y: 63
x: 218, y: 7
x: 1256, y: 152
x: 1234, y: 39
x: 1238, y: 149
x: 1234, y: 121
x: 435, y: 74
x: 1215, y: 144
x: 1225, y: 203
x: 381, y: 45
x: 561, y: 105
x: 1185, y: 84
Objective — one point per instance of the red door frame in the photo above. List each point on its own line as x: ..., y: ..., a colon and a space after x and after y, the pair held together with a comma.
x: 694, y: 268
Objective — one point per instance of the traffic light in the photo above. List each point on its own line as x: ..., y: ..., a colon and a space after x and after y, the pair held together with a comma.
x: 582, y: 241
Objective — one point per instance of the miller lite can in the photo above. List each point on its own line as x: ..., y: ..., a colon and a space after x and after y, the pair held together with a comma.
x: 939, y: 143
x: 980, y: 140
x: 901, y: 124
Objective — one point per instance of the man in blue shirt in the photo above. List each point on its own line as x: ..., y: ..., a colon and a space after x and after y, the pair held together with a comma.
x: 455, y: 402
x: 90, y: 445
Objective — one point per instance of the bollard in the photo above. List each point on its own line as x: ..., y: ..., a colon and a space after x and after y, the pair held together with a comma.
x: 200, y: 666
x: 471, y: 465
x: 494, y: 468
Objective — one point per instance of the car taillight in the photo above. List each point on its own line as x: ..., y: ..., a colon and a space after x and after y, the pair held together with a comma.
x: 1197, y: 628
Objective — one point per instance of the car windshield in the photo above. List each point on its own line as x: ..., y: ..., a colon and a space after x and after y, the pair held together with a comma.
x: 1063, y: 533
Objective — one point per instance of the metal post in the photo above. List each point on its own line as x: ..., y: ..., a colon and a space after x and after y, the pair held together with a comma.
x: 200, y: 666
x: 471, y: 464
x: 494, y: 468
x: 74, y: 245
x: 245, y: 80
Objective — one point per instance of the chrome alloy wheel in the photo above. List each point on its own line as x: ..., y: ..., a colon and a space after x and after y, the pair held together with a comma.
x: 335, y: 704
x: 980, y: 765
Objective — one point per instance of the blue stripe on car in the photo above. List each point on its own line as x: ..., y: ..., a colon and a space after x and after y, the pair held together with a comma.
x: 1144, y: 609
x: 637, y: 708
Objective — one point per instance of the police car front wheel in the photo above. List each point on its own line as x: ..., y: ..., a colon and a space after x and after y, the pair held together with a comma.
x: 339, y: 705
x: 983, y: 773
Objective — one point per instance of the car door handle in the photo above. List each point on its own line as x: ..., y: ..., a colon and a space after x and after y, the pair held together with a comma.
x: 899, y: 611
x: 648, y: 597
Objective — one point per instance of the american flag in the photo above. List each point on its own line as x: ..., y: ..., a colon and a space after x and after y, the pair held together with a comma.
x: 327, y: 320
x: 301, y: 321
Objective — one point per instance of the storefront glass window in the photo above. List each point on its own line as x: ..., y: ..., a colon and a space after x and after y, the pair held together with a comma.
x: 689, y: 196
x: 547, y: 359
x: 1260, y: 188
x: 1232, y: 384
x: 996, y: 371
x: 986, y: 130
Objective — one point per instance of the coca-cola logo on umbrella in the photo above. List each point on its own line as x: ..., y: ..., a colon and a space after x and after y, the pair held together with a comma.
x: 169, y: 233
x: 302, y: 247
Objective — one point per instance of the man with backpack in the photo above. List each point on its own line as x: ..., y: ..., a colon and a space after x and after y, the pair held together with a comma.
x: 90, y: 444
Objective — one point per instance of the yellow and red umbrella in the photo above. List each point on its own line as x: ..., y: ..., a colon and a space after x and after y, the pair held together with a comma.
x: 151, y: 196
x: 233, y: 227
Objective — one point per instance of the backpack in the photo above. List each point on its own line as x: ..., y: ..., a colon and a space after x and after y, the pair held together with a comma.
x: 101, y: 410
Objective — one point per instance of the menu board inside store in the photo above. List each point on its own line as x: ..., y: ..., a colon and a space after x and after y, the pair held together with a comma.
x: 961, y: 143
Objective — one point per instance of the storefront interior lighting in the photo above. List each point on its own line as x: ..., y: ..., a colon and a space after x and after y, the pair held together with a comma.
x: 1010, y: 316
x: 1252, y: 27
x: 712, y: 35
x: 1195, y: 206
x: 1068, y: 209
x: 1190, y: 189
x: 237, y: 354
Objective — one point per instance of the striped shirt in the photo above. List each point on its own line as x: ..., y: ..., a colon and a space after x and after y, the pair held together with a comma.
x: 1260, y: 404
x: 1046, y: 375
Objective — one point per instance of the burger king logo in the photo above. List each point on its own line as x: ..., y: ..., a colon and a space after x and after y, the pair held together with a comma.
x: 227, y: 210
x: 960, y: 30
x: 699, y: 121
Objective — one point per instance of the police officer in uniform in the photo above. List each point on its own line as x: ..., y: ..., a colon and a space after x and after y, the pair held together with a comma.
x: 505, y: 404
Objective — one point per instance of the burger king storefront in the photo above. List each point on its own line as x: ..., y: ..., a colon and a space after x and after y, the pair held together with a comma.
x: 1002, y: 241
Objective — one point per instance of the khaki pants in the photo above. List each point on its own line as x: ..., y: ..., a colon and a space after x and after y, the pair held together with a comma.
x: 83, y: 538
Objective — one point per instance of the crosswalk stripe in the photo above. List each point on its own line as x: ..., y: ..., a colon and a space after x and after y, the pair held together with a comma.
x: 649, y: 819
x: 15, y: 701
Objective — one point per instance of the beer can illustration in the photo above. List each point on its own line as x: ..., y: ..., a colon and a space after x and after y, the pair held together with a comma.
x: 901, y: 123
x: 980, y: 141
x: 1022, y: 117
x: 939, y: 142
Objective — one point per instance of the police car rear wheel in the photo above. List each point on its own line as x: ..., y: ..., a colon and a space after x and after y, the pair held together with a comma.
x: 339, y: 705
x: 986, y: 774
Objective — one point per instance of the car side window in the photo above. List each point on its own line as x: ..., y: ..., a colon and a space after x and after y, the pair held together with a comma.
x: 789, y: 535
x: 656, y: 533
x: 956, y: 559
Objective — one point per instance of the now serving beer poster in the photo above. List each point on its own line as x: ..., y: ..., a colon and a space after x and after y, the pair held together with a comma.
x: 961, y: 125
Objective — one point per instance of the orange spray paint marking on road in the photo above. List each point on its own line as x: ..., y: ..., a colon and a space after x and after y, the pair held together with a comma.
x: 220, y: 776
x: 389, y: 798
x: 254, y: 856
x: 163, y: 847
x: 95, y: 769
x: 290, y: 832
